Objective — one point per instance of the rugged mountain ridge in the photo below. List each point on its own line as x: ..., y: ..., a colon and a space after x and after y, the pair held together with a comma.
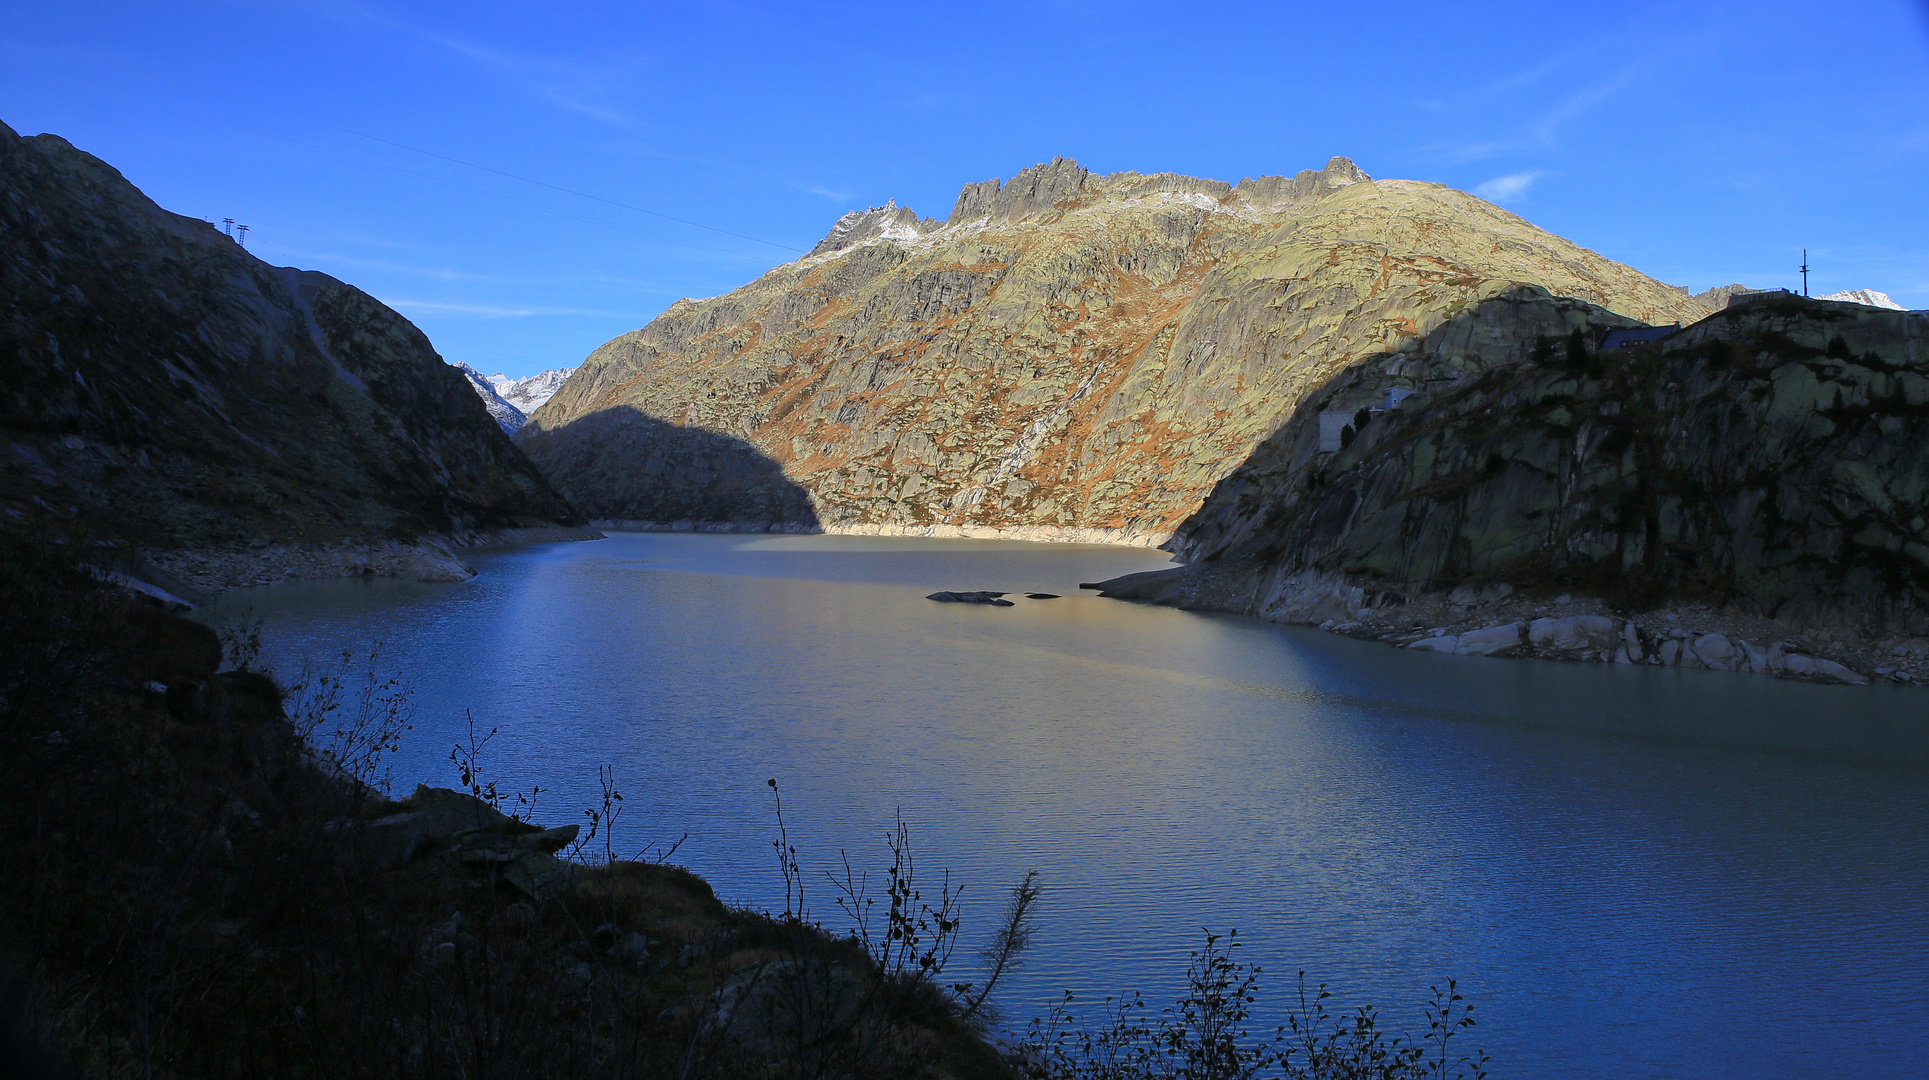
x: 1753, y: 488
x: 1066, y: 356
x: 232, y: 421
x: 529, y: 393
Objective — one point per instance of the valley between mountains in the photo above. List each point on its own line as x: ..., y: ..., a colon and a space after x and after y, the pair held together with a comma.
x: 1381, y: 406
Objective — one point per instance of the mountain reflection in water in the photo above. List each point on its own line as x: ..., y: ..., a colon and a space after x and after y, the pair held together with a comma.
x: 1633, y: 872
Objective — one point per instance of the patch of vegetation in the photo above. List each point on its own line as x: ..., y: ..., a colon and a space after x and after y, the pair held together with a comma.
x: 1206, y: 1035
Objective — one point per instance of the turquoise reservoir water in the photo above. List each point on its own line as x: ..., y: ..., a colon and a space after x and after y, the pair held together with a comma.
x: 1633, y: 872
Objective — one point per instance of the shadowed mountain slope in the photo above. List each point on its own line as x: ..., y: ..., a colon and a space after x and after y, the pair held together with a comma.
x: 1067, y: 356
x: 169, y: 391
x: 1770, y: 462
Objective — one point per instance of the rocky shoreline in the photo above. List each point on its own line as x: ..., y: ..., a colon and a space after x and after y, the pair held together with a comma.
x: 1043, y: 534
x: 433, y: 558
x: 1495, y: 620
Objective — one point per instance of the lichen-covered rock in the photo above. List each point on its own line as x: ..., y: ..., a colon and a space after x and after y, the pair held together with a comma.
x: 1068, y: 356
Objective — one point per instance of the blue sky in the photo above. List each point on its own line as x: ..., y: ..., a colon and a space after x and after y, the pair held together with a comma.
x: 1701, y: 142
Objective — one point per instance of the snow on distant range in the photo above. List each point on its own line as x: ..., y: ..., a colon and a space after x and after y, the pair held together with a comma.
x: 508, y: 416
x: 511, y: 401
x: 529, y: 394
x: 1865, y: 296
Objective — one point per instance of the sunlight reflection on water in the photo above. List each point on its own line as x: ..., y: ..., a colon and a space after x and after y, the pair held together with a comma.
x: 1634, y: 871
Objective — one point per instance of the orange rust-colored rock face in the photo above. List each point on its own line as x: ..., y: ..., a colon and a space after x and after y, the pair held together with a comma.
x: 1069, y: 356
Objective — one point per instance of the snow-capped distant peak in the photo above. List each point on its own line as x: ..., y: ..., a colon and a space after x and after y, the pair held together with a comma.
x: 1869, y: 297
x: 507, y: 416
x: 530, y: 393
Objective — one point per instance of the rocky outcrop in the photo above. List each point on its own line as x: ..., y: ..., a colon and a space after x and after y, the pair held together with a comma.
x: 173, y: 394
x: 1717, y: 298
x: 1763, y: 473
x: 1067, y: 356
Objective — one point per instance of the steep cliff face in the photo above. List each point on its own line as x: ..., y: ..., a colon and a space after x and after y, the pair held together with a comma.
x: 1769, y: 462
x: 169, y: 391
x: 1066, y: 356
x: 1778, y: 451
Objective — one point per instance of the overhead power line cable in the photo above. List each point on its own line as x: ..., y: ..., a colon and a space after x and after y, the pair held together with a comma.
x: 404, y: 146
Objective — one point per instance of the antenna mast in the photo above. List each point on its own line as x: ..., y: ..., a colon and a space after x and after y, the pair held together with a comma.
x: 1804, y: 270
x: 242, y: 239
x: 227, y: 226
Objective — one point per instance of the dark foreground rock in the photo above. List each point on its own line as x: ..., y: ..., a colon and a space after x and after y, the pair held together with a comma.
x: 995, y: 599
x: 231, y: 421
x: 156, y: 809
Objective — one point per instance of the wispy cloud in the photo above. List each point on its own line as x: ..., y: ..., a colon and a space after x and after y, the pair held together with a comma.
x: 1503, y: 189
x: 490, y: 311
x: 1547, y: 126
x: 1462, y: 155
x: 1485, y: 92
x: 828, y: 193
x: 566, y: 85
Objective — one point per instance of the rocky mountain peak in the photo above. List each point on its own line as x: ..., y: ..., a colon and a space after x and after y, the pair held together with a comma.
x: 1865, y: 297
x: 1273, y: 192
x: 890, y: 222
x: 1073, y: 355
x: 1040, y: 187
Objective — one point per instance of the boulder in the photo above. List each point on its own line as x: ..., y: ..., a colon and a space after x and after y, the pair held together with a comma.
x: 1490, y: 641
x: 1445, y: 643
x: 389, y: 843
x: 538, y: 876
x: 1814, y: 667
x: 479, y: 848
x: 1632, y: 650
x: 1718, y: 653
x: 550, y: 841
x: 1572, y: 633
x: 436, y: 567
x: 1760, y: 659
x: 447, y: 814
x: 1041, y: 596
